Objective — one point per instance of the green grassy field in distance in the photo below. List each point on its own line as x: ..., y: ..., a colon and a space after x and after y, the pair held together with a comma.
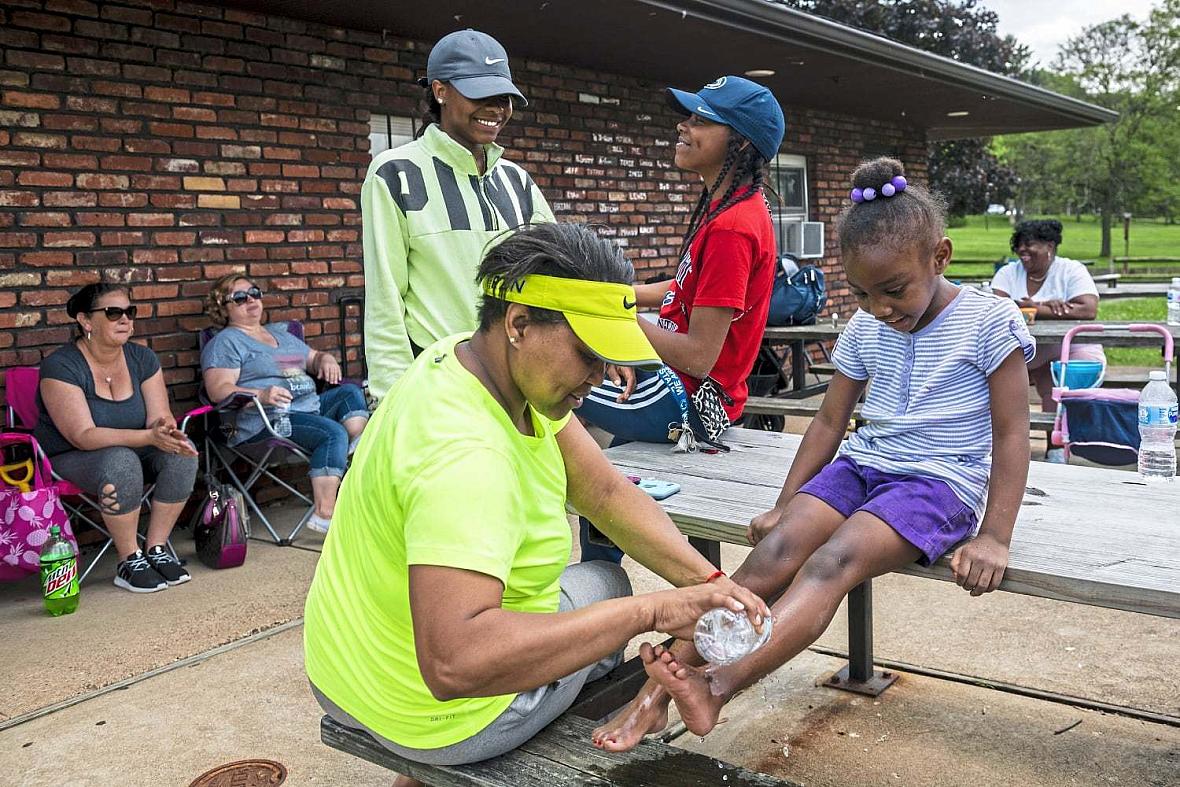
x: 1081, y: 240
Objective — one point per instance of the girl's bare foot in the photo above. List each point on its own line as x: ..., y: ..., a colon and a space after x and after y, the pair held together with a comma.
x: 647, y: 713
x: 406, y: 781
x: 689, y: 687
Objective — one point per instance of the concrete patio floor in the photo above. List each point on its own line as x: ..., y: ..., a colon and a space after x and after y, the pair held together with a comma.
x: 211, y: 672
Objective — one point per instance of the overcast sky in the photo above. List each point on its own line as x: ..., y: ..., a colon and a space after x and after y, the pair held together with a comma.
x: 1043, y: 25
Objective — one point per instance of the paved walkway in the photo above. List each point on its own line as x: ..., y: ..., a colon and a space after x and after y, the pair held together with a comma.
x: 228, y: 684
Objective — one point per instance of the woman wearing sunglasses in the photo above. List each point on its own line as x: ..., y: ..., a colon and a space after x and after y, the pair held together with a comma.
x: 107, y: 426
x: 274, y: 365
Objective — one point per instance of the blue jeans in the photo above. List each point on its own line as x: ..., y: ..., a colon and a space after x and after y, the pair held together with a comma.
x: 323, y: 434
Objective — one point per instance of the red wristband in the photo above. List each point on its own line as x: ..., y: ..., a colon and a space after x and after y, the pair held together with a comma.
x: 714, y: 575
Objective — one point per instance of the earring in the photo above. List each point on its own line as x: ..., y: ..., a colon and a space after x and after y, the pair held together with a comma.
x: 88, y: 336
x: 512, y: 340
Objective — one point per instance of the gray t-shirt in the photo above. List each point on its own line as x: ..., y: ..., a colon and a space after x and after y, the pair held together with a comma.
x: 261, y: 366
x: 67, y: 364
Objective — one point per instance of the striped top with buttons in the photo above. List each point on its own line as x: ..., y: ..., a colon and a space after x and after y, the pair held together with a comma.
x: 928, y: 408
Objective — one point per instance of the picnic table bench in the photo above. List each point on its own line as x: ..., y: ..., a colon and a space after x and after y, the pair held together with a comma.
x: 1087, y: 535
x: 560, y: 754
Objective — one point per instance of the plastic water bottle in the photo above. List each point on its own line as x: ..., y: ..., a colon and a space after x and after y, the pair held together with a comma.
x: 723, y: 636
x: 1157, y: 430
x: 1174, y: 301
x: 59, y: 574
x: 281, y: 420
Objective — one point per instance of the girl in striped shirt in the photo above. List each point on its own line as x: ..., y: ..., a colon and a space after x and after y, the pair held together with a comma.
x: 947, y: 412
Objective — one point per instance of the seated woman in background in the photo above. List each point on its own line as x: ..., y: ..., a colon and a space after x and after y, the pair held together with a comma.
x: 269, y: 362
x: 1059, y: 289
x: 444, y: 617
x: 106, y: 425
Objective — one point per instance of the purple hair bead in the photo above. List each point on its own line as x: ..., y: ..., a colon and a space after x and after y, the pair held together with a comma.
x: 870, y: 194
x: 898, y: 182
x: 857, y: 196
x: 887, y: 190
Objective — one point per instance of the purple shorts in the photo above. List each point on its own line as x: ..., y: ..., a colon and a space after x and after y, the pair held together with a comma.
x: 923, y: 511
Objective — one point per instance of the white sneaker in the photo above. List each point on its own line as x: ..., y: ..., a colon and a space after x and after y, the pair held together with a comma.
x: 352, y: 444
x: 1055, y: 456
x: 318, y: 523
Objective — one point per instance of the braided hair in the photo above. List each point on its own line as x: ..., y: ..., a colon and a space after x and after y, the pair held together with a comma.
x: 748, y: 167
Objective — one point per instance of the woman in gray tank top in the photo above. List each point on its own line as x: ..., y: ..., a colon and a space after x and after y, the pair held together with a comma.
x: 106, y: 424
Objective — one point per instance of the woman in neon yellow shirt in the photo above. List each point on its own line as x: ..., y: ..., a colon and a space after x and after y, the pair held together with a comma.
x: 443, y: 617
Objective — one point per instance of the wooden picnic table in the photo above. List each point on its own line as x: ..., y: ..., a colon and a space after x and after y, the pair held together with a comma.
x: 1044, y: 331
x: 1087, y: 535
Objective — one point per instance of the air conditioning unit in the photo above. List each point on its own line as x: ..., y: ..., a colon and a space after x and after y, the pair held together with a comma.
x: 804, y: 239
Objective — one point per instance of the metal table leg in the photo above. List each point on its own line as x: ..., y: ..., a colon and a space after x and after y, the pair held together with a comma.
x: 859, y: 676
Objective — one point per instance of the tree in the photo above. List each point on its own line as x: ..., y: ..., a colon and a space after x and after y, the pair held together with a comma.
x: 964, y: 170
x: 1133, y: 68
x: 970, y: 176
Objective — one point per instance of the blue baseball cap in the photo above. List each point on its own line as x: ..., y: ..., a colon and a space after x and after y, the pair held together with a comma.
x: 747, y: 107
x: 474, y: 63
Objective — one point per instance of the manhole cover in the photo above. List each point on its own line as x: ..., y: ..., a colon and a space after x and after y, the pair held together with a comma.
x: 243, y: 773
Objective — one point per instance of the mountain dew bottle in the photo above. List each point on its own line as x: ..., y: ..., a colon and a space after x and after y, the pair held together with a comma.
x: 59, y: 574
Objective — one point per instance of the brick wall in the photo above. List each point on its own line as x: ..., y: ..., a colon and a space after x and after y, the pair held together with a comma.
x: 166, y: 143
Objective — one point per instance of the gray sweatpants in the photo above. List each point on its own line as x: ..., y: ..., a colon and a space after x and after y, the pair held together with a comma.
x: 125, y: 469
x: 582, y: 584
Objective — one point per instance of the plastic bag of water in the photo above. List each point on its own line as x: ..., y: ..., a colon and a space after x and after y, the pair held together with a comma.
x: 723, y: 636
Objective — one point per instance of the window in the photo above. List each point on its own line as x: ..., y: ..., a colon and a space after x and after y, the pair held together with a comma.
x: 388, y: 131
x: 788, y: 176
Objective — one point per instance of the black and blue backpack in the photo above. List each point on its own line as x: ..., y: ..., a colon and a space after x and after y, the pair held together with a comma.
x: 796, y: 298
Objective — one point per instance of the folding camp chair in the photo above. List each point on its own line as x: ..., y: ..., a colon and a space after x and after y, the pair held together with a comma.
x: 22, y: 414
x: 260, y: 457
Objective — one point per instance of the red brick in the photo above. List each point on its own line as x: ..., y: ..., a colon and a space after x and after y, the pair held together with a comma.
x: 136, y: 163
x: 38, y: 61
x: 73, y: 239
x: 195, y: 114
x: 104, y: 144
x: 18, y: 240
x: 18, y: 199
x: 45, y: 179
x: 127, y: 238
x: 69, y: 123
x: 46, y: 259
x: 44, y: 297
x: 171, y: 129
x: 71, y: 161
x: 40, y: 21
x: 170, y: 94
x: 174, y: 238
x: 118, y: 199
x: 153, y: 256
x: 70, y: 199
x: 72, y: 278
x: 93, y: 180
x: 150, y: 219
x: 264, y: 236
x: 29, y: 139
x: 95, y: 219
x: 45, y: 219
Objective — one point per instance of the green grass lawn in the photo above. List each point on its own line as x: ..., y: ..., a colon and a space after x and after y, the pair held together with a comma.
x: 986, y: 238
x: 1144, y: 309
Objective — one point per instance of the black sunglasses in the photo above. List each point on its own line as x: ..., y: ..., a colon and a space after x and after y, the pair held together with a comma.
x: 241, y: 296
x: 115, y: 313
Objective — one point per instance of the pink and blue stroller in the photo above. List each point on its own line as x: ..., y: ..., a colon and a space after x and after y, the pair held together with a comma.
x: 1098, y: 424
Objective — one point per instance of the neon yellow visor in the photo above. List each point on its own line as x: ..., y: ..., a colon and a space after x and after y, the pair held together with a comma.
x: 601, y: 314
